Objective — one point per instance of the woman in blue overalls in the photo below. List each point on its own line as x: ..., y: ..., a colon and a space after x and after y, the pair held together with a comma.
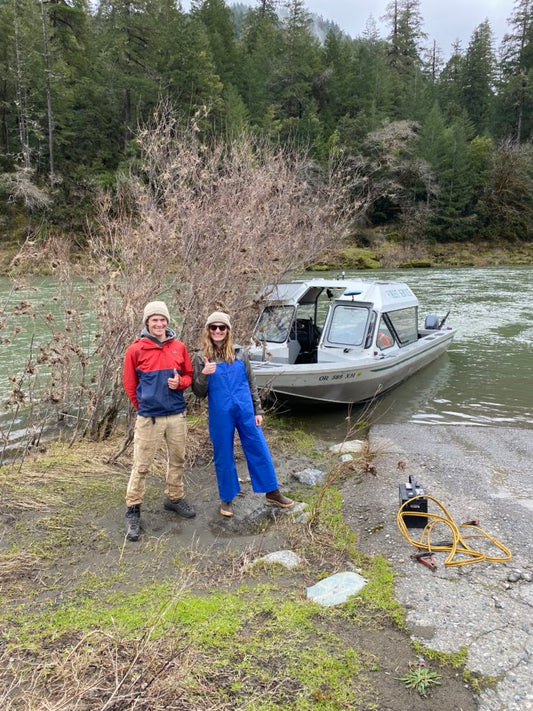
x: 223, y: 373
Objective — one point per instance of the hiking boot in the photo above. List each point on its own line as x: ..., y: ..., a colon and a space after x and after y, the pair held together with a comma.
x: 226, y: 508
x: 277, y: 498
x: 180, y: 506
x: 133, y: 522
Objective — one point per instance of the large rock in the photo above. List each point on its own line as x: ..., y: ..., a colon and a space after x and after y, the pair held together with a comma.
x: 354, y: 445
x: 336, y: 589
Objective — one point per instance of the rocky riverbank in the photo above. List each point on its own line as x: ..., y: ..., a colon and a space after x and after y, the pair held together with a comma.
x: 380, y: 251
x: 476, y: 473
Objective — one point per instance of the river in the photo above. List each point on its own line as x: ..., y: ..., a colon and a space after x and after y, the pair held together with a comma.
x: 485, y: 379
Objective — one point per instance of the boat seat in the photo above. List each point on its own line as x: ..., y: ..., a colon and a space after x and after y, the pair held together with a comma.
x: 307, y: 335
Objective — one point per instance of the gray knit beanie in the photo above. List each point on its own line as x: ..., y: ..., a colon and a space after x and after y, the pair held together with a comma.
x: 218, y: 317
x: 155, y: 308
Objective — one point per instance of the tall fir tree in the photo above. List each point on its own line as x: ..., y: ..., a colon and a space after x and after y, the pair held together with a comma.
x: 449, y: 86
x: 298, y: 63
x: 216, y: 18
x: 478, y: 78
x: 515, y: 88
x: 260, y: 47
x: 405, y: 44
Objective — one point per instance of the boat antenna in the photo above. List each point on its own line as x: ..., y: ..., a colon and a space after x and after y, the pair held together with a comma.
x: 441, y: 324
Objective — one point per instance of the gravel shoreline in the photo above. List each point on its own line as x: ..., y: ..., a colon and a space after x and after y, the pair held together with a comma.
x: 476, y: 473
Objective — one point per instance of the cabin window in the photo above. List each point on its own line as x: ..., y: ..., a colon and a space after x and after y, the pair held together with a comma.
x: 348, y: 326
x: 384, y: 338
x: 404, y: 322
x: 274, y: 323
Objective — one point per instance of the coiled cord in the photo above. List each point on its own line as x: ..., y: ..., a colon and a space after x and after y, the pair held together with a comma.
x: 457, y: 546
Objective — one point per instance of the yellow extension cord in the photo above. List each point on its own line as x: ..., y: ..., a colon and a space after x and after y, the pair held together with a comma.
x: 458, y: 545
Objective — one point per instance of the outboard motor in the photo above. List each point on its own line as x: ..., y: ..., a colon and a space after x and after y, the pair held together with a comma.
x: 432, y: 322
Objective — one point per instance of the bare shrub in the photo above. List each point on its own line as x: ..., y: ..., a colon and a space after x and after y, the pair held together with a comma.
x: 50, y: 385
x: 21, y: 187
x: 389, y: 171
x: 203, y: 226
x: 506, y: 205
x: 199, y: 224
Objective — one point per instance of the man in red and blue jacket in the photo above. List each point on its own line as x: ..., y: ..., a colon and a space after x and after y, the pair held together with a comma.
x: 157, y: 369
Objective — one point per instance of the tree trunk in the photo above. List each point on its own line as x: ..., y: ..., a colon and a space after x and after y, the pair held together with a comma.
x: 48, y: 96
x: 21, y: 94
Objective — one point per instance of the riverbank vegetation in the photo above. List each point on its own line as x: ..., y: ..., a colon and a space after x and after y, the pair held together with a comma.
x: 435, y: 142
x: 190, y: 223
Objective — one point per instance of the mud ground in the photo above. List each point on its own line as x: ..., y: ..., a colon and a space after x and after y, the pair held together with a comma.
x: 259, y: 529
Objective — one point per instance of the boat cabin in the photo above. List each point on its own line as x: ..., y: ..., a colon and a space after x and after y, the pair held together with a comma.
x: 324, y: 320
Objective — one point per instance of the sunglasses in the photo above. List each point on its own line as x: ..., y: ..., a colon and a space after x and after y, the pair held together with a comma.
x: 217, y: 327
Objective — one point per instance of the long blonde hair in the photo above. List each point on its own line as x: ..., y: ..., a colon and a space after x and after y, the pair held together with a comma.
x: 225, y: 351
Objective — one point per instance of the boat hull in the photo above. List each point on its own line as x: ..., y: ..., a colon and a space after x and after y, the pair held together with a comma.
x: 351, y: 381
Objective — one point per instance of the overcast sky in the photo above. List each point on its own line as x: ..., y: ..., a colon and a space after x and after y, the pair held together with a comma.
x: 444, y: 20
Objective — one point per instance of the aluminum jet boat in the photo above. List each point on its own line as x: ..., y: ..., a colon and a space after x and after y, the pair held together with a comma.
x: 341, y: 341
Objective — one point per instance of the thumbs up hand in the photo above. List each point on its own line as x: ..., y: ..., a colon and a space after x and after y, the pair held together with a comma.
x: 174, y: 381
x: 209, y: 367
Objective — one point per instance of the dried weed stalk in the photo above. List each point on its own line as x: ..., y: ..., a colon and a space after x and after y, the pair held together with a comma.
x: 359, y: 464
x: 15, y: 566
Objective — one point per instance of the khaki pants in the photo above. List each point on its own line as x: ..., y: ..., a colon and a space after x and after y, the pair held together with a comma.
x: 146, y: 441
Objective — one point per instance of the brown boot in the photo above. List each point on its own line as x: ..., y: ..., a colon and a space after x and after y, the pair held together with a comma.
x: 226, y: 508
x: 277, y: 498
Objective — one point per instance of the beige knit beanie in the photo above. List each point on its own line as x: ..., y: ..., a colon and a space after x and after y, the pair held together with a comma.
x: 155, y: 308
x: 218, y: 317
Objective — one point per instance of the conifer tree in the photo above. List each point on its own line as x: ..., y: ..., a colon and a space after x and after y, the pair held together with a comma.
x: 405, y: 37
x: 216, y: 18
x: 478, y: 78
x: 515, y: 94
x: 260, y: 48
x: 449, y: 87
x: 297, y: 69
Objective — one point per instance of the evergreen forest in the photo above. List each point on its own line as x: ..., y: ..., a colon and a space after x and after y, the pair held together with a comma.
x: 442, y: 147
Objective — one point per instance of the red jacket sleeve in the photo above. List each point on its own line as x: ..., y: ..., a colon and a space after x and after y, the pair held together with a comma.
x: 129, y: 375
x: 186, y: 370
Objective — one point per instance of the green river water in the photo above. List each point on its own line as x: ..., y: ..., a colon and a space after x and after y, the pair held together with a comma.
x: 485, y: 379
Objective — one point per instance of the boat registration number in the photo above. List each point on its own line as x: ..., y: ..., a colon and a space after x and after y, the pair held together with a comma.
x: 339, y: 376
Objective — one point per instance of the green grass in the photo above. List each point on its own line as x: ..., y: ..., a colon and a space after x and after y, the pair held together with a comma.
x: 253, y: 636
x: 255, y: 642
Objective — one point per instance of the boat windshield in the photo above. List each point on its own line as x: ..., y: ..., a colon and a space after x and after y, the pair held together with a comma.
x: 348, y: 325
x: 274, y: 323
